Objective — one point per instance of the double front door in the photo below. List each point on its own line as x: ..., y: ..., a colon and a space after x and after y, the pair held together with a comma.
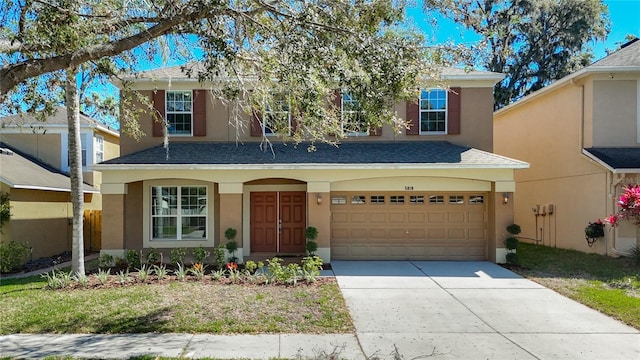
x: 278, y: 220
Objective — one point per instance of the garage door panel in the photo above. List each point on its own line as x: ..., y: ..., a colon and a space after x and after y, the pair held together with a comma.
x: 339, y: 218
x: 436, y: 217
x: 436, y: 233
x: 455, y: 217
x: 395, y: 218
x: 420, y: 230
x: 414, y: 218
x: 477, y: 234
x: 458, y: 234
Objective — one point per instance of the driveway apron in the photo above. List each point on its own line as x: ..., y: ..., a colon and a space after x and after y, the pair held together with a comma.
x: 472, y: 310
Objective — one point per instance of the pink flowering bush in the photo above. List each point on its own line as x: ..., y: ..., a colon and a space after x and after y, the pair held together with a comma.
x: 629, y: 204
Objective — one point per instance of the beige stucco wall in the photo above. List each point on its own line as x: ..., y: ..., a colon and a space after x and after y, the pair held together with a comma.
x: 476, y: 125
x: 46, y: 147
x: 546, y: 132
x: 41, y: 219
x: 615, y: 112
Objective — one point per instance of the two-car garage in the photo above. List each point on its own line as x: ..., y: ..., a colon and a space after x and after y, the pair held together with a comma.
x: 409, y: 225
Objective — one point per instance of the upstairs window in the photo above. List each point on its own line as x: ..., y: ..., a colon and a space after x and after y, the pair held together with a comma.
x: 99, y: 144
x: 277, y: 117
x: 433, y: 111
x: 352, y: 121
x: 179, y: 112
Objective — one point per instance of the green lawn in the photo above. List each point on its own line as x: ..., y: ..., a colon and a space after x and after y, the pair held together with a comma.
x: 609, y: 285
x: 173, y: 306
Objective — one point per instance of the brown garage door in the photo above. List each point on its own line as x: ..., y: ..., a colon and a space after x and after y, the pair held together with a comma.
x: 418, y: 226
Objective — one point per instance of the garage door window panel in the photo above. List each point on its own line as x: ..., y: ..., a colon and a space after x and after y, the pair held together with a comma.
x: 476, y: 199
x: 416, y: 199
x: 436, y: 199
x: 377, y: 199
x: 358, y: 199
x: 456, y: 199
x: 338, y: 200
x: 397, y: 199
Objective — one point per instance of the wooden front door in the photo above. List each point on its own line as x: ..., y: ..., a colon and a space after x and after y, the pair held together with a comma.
x: 278, y: 221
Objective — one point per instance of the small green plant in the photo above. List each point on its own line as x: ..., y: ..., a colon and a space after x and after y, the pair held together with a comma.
x: 123, y: 277
x: 311, y: 267
x: 218, y: 274
x: 160, y: 271
x: 514, y: 229
x: 511, y: 243
x: 106, y: 260
x: 219, y: 256
x: 230, y: 234
x: 231, y: 247
x: 103, y: 276
x: 250, y: 266
x: 512, y: 258
x: 293, y: 273
x: 153, y: 257
x: 198, y: 270
x: 311, y: 234
x: 81, y: 279
x: 181, y: 272
x: 143, y: 273
x: 133, y: 259
x: 12, y: 255
x: 57, y: 279
x: 177, y: 255
x: 5, y: 208
x: 234, y: 276
x: 200, y: 254
x: 275, y: 272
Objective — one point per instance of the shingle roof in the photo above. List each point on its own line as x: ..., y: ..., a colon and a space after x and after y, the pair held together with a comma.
x: 21, y: 171
x: 617, y: 157
x: 178, y: 72
x: 57, y: 119
x: 628, y: 56
x: 426, y: 153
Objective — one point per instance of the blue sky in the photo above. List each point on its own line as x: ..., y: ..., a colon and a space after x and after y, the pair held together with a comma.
x: 624, y: 16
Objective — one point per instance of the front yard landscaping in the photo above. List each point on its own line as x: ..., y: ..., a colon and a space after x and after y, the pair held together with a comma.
x: 172, y: 306
x: 609, y: 285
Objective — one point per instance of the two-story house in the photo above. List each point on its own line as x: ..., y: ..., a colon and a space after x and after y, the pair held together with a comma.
x: 34, y: 171
x: 435, y: 191
x: 581, y: 135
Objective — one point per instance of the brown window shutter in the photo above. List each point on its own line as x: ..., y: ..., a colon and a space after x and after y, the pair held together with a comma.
x: 453, y: 110
x: 294, y: 123
x: 374, y: 131
x: 256, y: 126
x: 159, y: 116
x: 413, y: 117
x: 199, y: 113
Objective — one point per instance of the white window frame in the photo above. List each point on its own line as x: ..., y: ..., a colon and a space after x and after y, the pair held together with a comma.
x: 86, y: 150
x: 98, y: 148
x: 175, y: 111
x: 426, y: 110
x: 179, y: 215
x: 266, y: 130
x: 349, y: 99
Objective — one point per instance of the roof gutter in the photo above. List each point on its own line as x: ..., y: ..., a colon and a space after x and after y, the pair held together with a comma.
x: 607, y: 166
x: 310, y: 166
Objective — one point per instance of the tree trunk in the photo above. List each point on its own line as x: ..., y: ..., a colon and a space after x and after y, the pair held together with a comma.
x: 75, y: 171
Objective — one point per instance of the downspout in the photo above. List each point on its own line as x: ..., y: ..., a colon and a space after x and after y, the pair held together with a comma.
x: 614, y: 180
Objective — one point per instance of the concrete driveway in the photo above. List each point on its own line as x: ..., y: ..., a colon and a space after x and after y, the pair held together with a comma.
x: 472, y: 310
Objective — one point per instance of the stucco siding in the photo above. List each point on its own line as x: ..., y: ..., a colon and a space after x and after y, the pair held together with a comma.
x: 46, y: 147
x: 41, y: 219
x: 615, y: 117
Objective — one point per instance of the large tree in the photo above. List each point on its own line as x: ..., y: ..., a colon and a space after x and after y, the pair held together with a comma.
x: 254, y: 52
x: 533, y: 42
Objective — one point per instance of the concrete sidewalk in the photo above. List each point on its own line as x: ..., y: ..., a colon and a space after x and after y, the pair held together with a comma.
x: 125, y: 346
